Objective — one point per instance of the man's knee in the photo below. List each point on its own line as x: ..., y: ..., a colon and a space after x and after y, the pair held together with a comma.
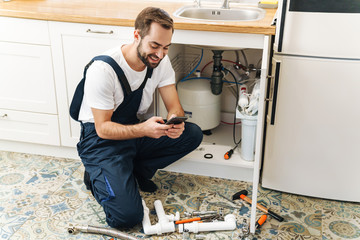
x: 118, y: 216
x: 193, y: 133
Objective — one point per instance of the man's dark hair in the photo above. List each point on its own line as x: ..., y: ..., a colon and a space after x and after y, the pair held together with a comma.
x: 150, y: 15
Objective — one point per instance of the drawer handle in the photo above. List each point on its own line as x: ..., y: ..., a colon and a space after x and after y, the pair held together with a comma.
x: 99, y: 32
x: 4, y: 116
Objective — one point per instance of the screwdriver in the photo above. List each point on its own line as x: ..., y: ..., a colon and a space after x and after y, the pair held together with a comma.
x: 228, y: 154
x: 261, y: 221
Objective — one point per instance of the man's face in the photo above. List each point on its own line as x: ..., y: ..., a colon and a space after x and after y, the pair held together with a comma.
x: 153, y: 47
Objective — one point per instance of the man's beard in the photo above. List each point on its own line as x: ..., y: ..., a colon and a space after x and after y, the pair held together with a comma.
x: 143, y: 57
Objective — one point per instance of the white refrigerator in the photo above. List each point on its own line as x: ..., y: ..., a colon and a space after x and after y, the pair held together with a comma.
x: 312, y: 132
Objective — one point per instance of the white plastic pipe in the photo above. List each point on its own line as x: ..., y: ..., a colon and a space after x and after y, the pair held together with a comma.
x: 163, y: 226
x: 195, y: 227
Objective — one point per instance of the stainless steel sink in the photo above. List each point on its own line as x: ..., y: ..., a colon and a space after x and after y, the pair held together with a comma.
x: 219, y: 14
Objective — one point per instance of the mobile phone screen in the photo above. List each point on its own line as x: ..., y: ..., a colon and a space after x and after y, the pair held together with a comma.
x: 176, y: 120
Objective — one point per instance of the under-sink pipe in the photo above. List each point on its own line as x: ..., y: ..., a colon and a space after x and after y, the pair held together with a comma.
x: 165, y: 223
x: 229, y: 223
x: 217, y: 76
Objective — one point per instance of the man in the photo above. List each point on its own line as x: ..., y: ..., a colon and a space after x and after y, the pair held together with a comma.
x: 118, y: 152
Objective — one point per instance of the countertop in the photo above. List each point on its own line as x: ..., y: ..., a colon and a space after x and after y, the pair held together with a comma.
x: 123, y: 13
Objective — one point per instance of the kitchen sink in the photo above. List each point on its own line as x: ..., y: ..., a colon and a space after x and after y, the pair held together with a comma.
x: 220, y: 14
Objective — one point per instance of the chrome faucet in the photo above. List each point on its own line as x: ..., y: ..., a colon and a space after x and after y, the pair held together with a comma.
x: 198, y: 3
x: 225, y: 4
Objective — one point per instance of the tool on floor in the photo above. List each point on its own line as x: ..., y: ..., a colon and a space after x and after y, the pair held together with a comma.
x: 195, y: 219
x: 228, y: 154
x: 101, y: 230
x: 260, y: 221
x: 242, y: 194
x: 199, y: 213
x: 245, y: 230
x: 228, y: 224
x: 231, y: 201
x: 203, y: 215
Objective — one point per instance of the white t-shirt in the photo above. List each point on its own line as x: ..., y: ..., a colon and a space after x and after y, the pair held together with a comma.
x: 103, y: 90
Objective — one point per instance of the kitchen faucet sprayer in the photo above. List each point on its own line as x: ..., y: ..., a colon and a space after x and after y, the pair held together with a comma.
x: 225, y: 4
x: 198, y: 3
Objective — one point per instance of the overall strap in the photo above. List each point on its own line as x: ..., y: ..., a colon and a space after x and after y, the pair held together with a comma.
x: 119, y: 72
x: 148, y: 75
x: 79, y: 91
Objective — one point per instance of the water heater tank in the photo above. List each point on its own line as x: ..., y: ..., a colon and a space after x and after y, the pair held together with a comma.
x: 200, y: 105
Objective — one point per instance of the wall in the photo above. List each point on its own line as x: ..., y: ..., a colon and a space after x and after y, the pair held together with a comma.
x: 212, y: 1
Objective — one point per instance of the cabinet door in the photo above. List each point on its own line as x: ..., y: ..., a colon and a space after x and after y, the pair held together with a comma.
x: 26, y: 78
x: 74, y: 45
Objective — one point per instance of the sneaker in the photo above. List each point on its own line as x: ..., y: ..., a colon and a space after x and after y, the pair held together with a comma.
x: 87, y: 181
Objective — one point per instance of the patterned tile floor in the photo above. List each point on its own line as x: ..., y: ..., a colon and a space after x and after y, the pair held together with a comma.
x: 41, y: 196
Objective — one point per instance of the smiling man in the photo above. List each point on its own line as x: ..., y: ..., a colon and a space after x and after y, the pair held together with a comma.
x: 120, y: 153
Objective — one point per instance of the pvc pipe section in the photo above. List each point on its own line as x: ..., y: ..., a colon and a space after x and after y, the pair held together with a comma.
x: 229, y: 223
x: 165, y: 223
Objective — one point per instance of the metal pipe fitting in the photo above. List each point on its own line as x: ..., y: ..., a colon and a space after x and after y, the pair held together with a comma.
x: 101, y: 230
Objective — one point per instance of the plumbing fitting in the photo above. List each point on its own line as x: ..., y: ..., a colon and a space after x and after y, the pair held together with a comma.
x: 198, y: 3
x: 101, y: 230
x: 225, y: 4
x: 217, y: 75
x: 229, y: 223
x: 199, y: 213
x: 165, y: 223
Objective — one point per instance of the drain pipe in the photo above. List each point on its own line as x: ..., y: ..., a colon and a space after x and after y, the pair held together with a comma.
x: 217, y: 75
x: 165, y: 223
x: 101, y: 230
x: 229, y: 223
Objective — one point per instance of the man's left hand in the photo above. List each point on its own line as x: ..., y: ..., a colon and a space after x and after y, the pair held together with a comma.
x: 176, y: 130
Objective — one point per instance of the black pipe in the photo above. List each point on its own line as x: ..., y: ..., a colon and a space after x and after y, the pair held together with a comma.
x: 217, y: 75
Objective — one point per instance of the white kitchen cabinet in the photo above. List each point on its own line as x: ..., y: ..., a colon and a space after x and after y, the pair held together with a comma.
x: 27, y: 90
x: 73, y: 46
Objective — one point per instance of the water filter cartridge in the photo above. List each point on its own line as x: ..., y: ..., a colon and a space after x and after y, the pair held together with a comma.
x: 248, y: 136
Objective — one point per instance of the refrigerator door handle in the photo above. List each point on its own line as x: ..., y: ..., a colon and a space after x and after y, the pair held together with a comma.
x: 282, y: 26
x: 274, y: 90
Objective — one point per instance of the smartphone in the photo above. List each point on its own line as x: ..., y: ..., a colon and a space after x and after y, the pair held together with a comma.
x: 176, y: 120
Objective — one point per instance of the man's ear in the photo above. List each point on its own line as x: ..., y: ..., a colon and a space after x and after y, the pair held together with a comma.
x: 137, y: 36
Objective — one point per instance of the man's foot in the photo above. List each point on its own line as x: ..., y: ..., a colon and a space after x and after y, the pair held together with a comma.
x: 87, y: 181
x: 146, y: 185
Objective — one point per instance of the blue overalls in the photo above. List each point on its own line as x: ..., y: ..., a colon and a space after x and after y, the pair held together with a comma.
x: 112, y: 164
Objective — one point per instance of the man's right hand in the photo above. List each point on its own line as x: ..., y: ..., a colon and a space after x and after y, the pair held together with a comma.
x: 154, y: 127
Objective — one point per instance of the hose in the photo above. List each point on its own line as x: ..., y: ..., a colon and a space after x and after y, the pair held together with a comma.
x: 201, y: 57
x: 101, y: 230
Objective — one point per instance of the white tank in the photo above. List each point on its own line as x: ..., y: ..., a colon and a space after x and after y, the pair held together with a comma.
x: 200, y: 105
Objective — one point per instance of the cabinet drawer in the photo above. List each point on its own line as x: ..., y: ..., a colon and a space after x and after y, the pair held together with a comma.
x: 24, y: 31
x: 29, y: 127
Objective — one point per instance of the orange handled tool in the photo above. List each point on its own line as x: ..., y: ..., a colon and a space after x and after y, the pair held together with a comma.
x: 242, y: 195
x: 261, y: 221
x: 228, y: 154
x: 188, y: 220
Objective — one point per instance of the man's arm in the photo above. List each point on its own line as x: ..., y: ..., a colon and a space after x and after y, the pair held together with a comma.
x: 107, y: 129
x: 171, y: 100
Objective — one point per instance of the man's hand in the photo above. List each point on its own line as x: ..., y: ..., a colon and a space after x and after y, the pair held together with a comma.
x: 176, y: 129
x: 154, y: 127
